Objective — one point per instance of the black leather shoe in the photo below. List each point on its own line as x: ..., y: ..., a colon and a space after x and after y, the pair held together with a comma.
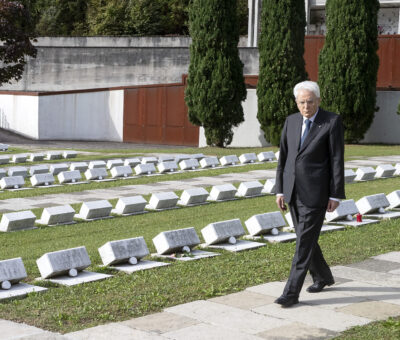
x: 286, y: 301
x: 317, y: 286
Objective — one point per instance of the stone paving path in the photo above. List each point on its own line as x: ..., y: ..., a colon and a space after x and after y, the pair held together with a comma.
x: 364, y: 292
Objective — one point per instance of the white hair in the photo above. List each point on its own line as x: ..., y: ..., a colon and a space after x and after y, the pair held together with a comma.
x: 307, y: 85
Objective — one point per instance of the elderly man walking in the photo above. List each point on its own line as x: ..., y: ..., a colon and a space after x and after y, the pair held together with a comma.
x: 310, y: 178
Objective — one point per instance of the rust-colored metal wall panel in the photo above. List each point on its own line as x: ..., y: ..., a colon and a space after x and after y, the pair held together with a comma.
x: 396, y: 62
x: 312, y: 47
x: 175, y: 106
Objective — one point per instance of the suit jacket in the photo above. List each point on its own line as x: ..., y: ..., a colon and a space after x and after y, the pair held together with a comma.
x: 316, y: 169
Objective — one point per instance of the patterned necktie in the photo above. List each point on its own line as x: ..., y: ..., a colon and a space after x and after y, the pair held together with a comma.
x: 307, y: 129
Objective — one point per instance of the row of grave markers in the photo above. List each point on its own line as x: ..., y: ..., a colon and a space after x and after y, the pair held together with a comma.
x: 66, y: 267
x: 37, y: 157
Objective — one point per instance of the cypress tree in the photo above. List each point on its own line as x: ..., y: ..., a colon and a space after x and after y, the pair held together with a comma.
x: 215, y: 85
x: 281, y: 48
x: 349, y: 64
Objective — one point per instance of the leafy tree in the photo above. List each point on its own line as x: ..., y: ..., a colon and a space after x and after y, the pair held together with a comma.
x: 215, y: 85
x: 15, y: 38
x: 349, y: 64
x: 281, y: 48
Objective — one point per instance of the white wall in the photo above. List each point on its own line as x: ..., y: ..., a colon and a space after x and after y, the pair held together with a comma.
x: 20, y: 114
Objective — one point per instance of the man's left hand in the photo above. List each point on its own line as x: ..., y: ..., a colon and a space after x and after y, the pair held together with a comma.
x: 332, y: 205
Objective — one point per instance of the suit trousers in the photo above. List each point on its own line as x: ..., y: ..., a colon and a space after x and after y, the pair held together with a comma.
x: 308, y: 255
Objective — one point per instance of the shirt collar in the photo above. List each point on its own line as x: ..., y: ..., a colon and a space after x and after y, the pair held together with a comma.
x: 312, y: 118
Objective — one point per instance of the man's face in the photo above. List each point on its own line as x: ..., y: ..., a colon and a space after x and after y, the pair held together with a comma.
x: 307, y: 102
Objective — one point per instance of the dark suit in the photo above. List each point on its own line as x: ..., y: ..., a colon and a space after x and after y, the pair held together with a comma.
x: 308, y: 176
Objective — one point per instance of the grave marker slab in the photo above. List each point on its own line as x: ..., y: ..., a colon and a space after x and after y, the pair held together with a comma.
x: 69, y: 154
x: 193, y: 196
x: 373, y: 203
x: 224, y: 234
x: 12, y: 182
x: 385, y: 171
x: 50, y: 155
x: 249, y: 189
x: 163, y: 200
x: 365, y: 174
x: 248, y: 158
x: 396, y: 166
x: 36, y: 157
x: 4, y: 147
x: 222, y: 192
x: 69, y: 176
x: 57, y: 215
x: 18, y: 171
x: 114, y: 162
x: 132, y: 162
x: 349, y: 176
x: 42, y: 180
x: 80, y: 166
x: 264, y: 223
x: 19, y: 158
x: 147, y: 160
x: 38, y: 169
x: 267, y: 156
x: 130, y: 205
x: 209, y: 162
x: 229, y: 160
x: 269, y: 187
x: 66, y: 267
x: 95, y: 210
x: 4, y: 159
x: 121, y: 171
x: 96, y: 174
x: 166, y: 158
x: 21, y: 220
x: 277, y: 155
x: 167, y: 166
x: 282, y: 237
x: 179, y: 158
x: 55, y: 169
x: 288, y: 218
x: 145, y: 169
x: 197, y: 156
x: 3, y: 173
x: 97, y: 164
x: 394, y: 199
x: 189, y: 164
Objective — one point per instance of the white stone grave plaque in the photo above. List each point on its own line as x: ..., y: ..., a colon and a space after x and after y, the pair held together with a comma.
x: 55, y: 169
x: 42, y: 180
x: 209, y: 162
x: 277, y: 155
x: 163, y: 200
x: 69, y: 154
x: 4, y: 147
x: 69, y: 176
x: 167, y: 166
x: 224, y: 234
x: 18, y: 171
x: 289, y: 220
x: 132, y: 162
x: 229, y: 160
x: 123, y: 251
x: 182, y: 157
x: 20, y: 290
x: 36, y: 157
x: 248, y: 158
x: 330, y: 228
x: 12, y: 182
x: 267, y: 156
x: 38, y: 169
x: 394, y: 199
x: 121, y: 171
x: 264, y: 223
x: 66, y: 267
x: 269, y: 186
x: 197, y: 156
x: 365, y: 174
x: 396, y: 166
x: 50, y: 155
x: 114, y: 162
x: 96, y: 174
x: 97, y: 164
x: 147, y: 160
x: 3, y: 173
x: 249, y: 189
x: 21, y: 220
x: 19, y: 158
x: 166, y: 158
x: 385, y: 170
x: 145, y: 169
x: 280, y: 238
x: 95, y: 210
x: 130, y: 205
x: 349, y: 175
x: 222, y: 192
x: 57, y: 215
x: 193, y: 196
x: 372, y: 204
x: 80, y: 166
x: 189, y: 164
x: 4, y: 159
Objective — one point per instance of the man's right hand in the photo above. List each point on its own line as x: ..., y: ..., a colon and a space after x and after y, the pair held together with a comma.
x: 280, y: 201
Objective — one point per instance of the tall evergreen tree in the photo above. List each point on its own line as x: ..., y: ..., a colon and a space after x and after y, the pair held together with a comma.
x: 349, y: 64
x: 281, y: 48
x: 216, y: 86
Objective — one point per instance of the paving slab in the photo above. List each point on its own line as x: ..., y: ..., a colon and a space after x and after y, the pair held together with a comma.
x: 375, y: 310
x: 13, y: 330
x: 376, y: 265
x: 297, y: 331
x: 244, y: 300
x: 160, y: 322
x: 274, y: 289
x: 227, y: 316
x: 393, y: 256
x: 313, y: 316
x: 42, y: 336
